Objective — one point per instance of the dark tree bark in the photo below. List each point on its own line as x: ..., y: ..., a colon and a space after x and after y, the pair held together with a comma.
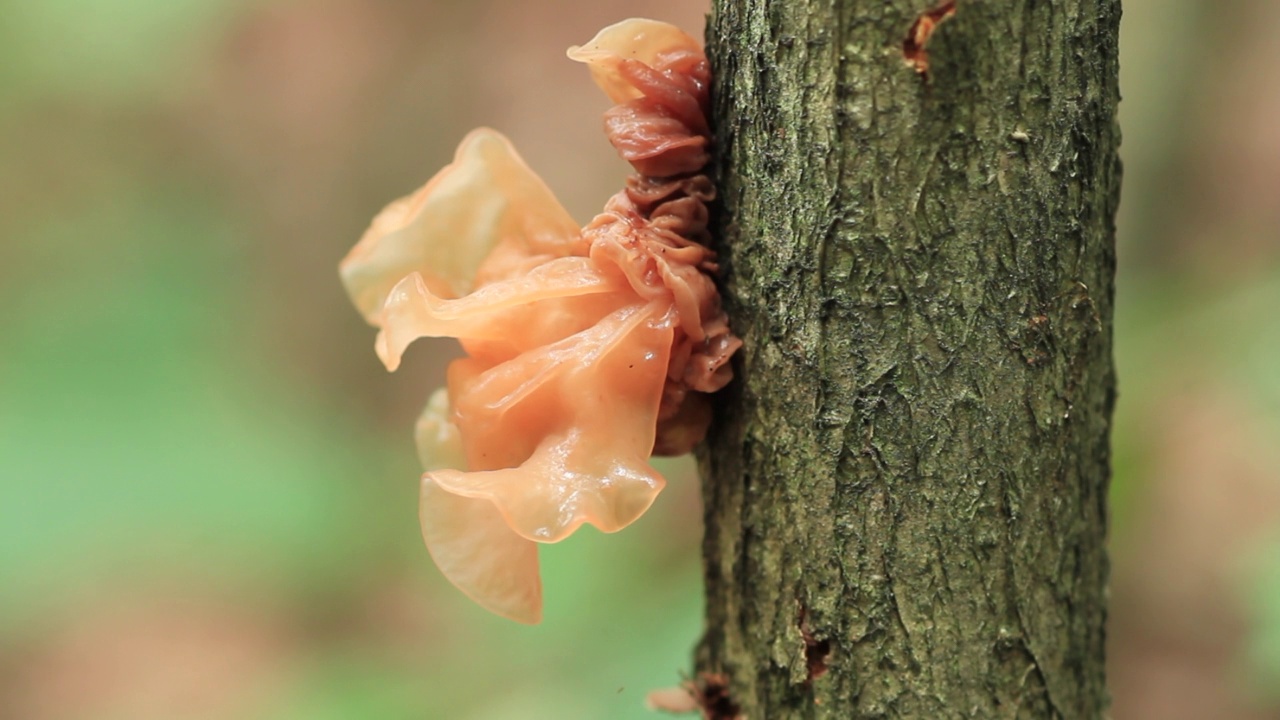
x: 906, y: 487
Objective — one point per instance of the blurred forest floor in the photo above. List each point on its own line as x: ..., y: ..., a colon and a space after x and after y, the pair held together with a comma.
x: 207, y: 483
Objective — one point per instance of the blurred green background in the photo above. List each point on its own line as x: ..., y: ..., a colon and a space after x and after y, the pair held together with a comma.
x: 207, y: 482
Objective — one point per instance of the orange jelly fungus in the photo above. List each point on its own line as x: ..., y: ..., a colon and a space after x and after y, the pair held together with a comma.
x: 588, y: 349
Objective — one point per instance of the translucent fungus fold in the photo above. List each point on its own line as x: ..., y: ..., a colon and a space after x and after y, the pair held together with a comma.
x: 587, y: 349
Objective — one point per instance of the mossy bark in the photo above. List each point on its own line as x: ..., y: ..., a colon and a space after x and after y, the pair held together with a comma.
x: 906, y: 486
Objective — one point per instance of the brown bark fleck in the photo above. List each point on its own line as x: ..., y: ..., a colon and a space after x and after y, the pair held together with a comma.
x: 914, y: 48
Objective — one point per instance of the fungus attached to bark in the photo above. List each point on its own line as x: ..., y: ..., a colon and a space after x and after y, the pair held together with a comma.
x: 587, y: 349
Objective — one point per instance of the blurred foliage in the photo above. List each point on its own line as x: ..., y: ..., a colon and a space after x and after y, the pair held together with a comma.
x: 207, y: 484
x: 1263, y: 659
x: 203, y: 514
x: 104, y: 48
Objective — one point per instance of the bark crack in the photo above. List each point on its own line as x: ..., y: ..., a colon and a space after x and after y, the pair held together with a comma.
x: 890, y: 456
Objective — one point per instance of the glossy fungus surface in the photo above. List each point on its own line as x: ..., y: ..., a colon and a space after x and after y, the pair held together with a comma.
x: 588, y: 349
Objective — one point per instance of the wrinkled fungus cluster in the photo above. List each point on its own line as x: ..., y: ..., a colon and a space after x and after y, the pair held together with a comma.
x: 587, y: 349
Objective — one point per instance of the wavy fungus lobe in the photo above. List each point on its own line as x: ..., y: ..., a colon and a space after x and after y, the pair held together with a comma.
x: 587, y: 349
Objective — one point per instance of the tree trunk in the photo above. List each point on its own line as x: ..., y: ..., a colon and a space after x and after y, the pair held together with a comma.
x: 906, y: 486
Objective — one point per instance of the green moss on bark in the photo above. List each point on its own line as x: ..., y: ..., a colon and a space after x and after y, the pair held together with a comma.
x: 912, y: 466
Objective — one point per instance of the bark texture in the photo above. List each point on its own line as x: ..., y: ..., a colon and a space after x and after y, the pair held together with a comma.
x: 906, y: 488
